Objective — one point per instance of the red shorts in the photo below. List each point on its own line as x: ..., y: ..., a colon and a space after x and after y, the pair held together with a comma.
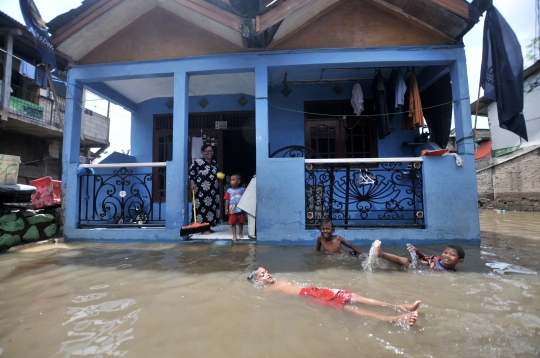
x: 329, y: 296
x: 238, y: 218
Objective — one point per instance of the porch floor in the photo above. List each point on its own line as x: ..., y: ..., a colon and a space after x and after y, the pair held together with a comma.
x: 221, y: 232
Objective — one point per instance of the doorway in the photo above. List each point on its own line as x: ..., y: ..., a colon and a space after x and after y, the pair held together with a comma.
x: 232, y: 134
x: 239, y: 153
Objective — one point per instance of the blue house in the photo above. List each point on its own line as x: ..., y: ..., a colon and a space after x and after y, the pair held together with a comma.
x: 269, y: 84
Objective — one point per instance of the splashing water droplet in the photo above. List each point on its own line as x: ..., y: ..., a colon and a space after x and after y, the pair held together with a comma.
x: 414, y: 260
x: 370, y: 259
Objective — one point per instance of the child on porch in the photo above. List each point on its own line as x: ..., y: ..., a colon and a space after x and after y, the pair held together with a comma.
x: 450, y: 257
x: 332, y: 243
x: 232, y: 198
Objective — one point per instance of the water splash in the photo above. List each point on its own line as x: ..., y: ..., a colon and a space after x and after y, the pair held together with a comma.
x: 368, y: 263
x: 414, y: 260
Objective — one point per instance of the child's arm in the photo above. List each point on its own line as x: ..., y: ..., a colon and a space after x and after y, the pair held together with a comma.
x: 319, y: 243
x: 350, y: 246
x: 226, y: 197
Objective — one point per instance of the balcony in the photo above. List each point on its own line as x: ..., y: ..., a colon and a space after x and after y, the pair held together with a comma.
x: 362, y: 193
x: 33, y: 113
x: 120, y: 195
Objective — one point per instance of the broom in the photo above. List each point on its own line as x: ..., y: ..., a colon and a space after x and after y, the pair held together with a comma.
x: 195, y: 227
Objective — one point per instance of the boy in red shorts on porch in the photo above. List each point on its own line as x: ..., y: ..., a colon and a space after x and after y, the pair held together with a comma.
x: 232, y: 198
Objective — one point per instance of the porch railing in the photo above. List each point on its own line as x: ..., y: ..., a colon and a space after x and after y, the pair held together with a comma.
x: 120, y: 195
x: 358, y: 193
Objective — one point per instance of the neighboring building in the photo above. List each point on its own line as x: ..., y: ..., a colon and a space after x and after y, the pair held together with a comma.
x: 509, y: 177
x: 269, y: 84
x: 30, y: 126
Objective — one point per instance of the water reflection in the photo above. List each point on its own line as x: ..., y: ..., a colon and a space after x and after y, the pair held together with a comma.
x: 140, y: 300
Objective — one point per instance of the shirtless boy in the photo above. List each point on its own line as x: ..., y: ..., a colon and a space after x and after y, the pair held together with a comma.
x: 332, y: 243
x: 450, y: 257
x: 338, y: 298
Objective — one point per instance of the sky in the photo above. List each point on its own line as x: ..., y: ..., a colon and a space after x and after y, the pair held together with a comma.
x: 520, y: 14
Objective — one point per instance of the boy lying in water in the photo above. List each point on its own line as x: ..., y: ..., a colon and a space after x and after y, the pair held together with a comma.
x: 451, y: 256
x: 332, y: 243
x: 338, y: 298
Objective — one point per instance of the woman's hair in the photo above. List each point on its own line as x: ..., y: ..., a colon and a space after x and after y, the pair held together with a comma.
x: 204, y: 146
x: 253, y: 275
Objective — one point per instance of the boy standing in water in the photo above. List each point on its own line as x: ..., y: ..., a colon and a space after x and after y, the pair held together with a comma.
x: 232, y: 198
x: 450, y: 257
x: 338, y: 298
x: 332, y: 243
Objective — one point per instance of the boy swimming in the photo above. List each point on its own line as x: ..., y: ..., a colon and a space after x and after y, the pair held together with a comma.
x: 338, y: 298
x: 450, y: 257
x: 332, y: 243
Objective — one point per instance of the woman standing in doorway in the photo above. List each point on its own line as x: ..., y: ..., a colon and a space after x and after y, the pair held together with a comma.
x: 203, y: 180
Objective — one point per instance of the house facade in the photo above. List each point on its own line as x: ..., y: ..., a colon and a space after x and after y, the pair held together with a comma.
x: 269, y: 85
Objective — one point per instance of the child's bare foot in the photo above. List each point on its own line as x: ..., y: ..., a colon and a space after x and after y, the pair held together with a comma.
x: 241, y: 236
x: 234, y: 238
x: 408, y: 318
x: 377, y: 252
x: 409, y: 306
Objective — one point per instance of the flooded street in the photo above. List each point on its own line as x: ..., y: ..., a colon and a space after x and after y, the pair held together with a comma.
x: 193, y: 300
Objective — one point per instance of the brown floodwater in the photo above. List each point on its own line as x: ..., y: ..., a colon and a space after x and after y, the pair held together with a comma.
x: 193, y: 300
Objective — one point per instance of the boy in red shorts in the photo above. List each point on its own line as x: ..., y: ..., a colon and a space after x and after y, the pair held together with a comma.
x: 232, y: 198
x: 338, y: 298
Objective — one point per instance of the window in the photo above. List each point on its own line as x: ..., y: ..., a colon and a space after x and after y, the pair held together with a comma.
x: 327, y: 133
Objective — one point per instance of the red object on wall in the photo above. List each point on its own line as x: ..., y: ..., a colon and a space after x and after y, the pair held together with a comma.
x: 483, y: 150
x: 48, y: 193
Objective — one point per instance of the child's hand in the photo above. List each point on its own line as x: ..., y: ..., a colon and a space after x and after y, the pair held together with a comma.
x: 411, y: 248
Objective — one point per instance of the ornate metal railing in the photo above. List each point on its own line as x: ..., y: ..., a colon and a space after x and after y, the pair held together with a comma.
x: 358, y: 193
x: 120, y: 197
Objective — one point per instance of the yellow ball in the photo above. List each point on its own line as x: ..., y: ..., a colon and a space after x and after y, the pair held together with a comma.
x: 220, y: 175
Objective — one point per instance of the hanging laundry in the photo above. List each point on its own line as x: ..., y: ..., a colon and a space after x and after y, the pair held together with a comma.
x: 395, y: 89
x: 395, y: 93
x: 414, y: 116
x: 196, y: 144
x: 357, y: 100
x: 384, y: 127
x: 41, y: 78
x: 27, y: 70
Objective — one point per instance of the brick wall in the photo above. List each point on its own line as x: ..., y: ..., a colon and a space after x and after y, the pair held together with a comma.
x: 511, y: 185
x: 95, y: 126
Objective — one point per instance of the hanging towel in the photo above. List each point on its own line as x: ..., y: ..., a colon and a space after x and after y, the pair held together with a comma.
x: 401, y: 88
x: 41, y: 78
x: 384, y: 127
x: 27, y: 70
x: 357, y: 100
x: 196, y: 144
x: 414, y: 116
x: 395, y: 90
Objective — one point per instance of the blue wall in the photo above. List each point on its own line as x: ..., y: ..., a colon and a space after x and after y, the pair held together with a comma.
x: 287, y: 117
x: 450, y: 191
x: 142, y: 120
